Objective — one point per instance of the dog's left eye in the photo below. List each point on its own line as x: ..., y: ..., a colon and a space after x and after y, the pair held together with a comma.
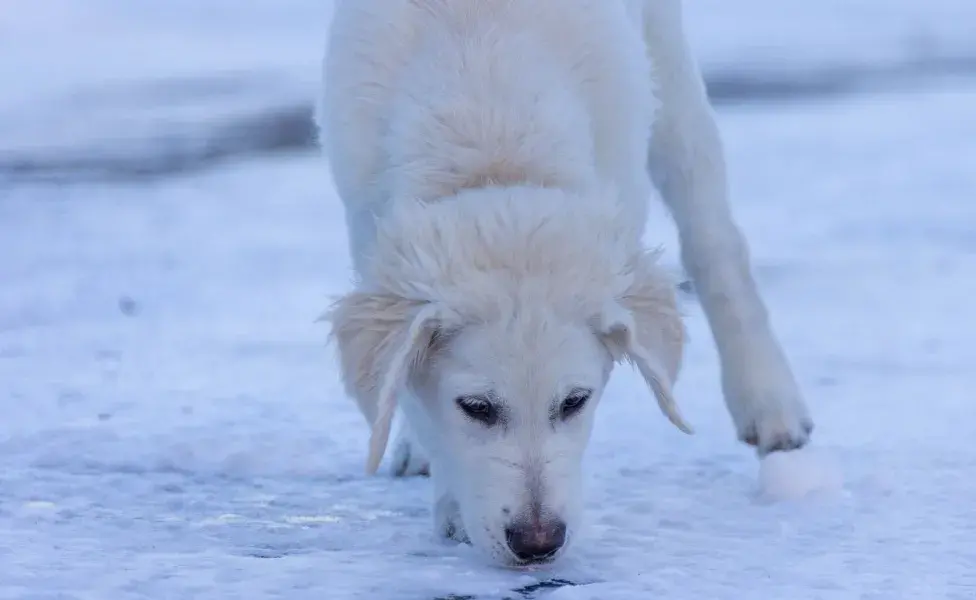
x: 478, y: 408
x: 574, y: 402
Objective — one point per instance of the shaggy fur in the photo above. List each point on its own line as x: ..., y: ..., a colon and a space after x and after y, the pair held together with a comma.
x: 496, y: 159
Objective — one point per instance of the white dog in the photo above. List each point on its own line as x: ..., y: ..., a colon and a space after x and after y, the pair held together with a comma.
x: 496, y: 160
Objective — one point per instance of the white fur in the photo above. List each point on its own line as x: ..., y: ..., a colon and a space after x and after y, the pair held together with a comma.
x: 496, y: 159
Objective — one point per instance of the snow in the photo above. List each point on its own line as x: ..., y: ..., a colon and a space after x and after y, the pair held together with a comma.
x: 172, y: 421
x: 799, y: 474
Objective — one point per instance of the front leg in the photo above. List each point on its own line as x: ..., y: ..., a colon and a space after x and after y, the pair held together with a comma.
x: 409, y: 457
x: 447, y: 514
x: 687, y: 164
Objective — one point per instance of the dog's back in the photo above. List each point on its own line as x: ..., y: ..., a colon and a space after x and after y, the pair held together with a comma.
x: 428, y: 97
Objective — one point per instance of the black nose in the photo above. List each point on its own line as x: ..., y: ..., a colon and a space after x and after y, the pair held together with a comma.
x: 536, y: 542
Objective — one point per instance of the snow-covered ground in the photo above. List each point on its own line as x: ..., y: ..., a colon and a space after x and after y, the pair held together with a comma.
x: 172, y: 425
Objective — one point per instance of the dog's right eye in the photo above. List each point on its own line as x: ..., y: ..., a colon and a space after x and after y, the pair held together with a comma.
x: 478, y: 408
x: 574, y: 402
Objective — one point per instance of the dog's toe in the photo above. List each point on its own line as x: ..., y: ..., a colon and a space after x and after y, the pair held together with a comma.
x: 454, y: 532
x: 447, y: 520
x: 410, y: 461
x: 778, y: 434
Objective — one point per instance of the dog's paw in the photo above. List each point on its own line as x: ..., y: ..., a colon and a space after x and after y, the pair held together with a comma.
x: 772, y: 420
x: 454, y: 531
x: 409, y: 458
x: 447, y: 521
x: 777, y: 433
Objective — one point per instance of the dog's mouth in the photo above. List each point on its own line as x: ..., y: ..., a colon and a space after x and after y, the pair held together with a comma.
x: 510, y: 561
x: 541, y: 561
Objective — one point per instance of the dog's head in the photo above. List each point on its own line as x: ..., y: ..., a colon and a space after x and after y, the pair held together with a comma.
x: 503, y: 311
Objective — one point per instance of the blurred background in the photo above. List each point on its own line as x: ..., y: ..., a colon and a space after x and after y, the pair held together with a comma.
x: 113, y: 90
x: 168, y: 235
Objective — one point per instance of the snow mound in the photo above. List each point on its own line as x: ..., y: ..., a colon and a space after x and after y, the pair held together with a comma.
x: 798, y: 474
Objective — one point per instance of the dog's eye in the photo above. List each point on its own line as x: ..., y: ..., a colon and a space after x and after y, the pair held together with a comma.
x: 574, y: 402
x: 478, y: 408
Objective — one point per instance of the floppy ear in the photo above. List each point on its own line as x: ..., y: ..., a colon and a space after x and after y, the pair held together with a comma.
x: 380, y: 337
x: 643, y: 326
